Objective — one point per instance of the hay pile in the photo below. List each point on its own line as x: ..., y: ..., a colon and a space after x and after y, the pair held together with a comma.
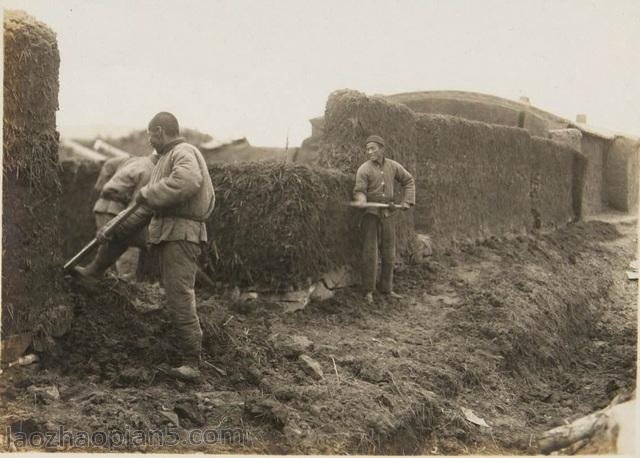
x: 31, y: 240
x: 279, y: 224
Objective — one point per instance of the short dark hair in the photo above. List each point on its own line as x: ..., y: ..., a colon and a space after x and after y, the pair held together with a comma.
x: 167, y: 121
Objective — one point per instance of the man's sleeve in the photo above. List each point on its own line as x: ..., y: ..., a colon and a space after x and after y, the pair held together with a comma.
x: 122, y: 185
x: 184, y: 180
x: 408, y: 184
x: 361, y: 185
x: 109, y: 168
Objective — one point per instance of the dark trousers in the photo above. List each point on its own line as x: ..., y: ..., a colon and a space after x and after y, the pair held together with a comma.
x: 379, y: 234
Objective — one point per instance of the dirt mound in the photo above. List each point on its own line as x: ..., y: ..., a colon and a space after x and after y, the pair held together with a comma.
x: 116, y: 326
x: 516, y: 334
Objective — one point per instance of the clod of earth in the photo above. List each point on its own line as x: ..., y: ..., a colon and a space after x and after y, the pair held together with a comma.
x: 189, y: 413
x: 45, y: 394
x: 311, y: 367
x: 291, y: 346
x: 268, y: 410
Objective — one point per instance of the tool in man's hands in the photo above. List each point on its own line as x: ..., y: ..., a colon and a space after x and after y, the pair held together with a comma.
x: 369, y: 205
x: 105, y: 233
x: 391, y: 206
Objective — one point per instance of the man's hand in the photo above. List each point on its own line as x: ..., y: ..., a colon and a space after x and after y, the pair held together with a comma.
x: 405, y: 206
x: 140, y: 199
x: 101, y: 236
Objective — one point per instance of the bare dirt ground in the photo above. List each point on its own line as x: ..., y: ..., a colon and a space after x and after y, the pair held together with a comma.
x: 522, y: 333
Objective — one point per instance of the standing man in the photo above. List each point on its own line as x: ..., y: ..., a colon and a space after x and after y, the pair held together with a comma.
x: 375, y: 183
x: 115, y: 195
x: 181, y: 195
x: 175, y: 203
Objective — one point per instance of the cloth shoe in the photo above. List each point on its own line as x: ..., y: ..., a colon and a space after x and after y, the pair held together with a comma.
x: 86, y: 276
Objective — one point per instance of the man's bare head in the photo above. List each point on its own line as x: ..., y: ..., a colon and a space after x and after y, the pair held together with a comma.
x: 162, y: 128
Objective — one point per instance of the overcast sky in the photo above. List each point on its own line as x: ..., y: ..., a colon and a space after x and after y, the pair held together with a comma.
x: 261, y: 69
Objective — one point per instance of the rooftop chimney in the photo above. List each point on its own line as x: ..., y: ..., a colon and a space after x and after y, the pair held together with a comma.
x: 525, y: 99
x: 581, y: 118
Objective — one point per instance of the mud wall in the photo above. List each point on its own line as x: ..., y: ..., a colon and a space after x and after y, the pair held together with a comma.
x: 31, y: 238
x: 556, y: 184
x: 476, y: 180
x: 78, y: 223
x: 479, y: 111
x: 594, y: 149
x: 472, y: 181
x: 481, y: 107
x: 621, y: 174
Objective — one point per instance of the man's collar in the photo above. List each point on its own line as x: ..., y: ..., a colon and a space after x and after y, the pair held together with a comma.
x: 170, y: 145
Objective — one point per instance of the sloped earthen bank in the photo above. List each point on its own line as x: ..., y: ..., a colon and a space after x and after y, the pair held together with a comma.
x: 515, y: 331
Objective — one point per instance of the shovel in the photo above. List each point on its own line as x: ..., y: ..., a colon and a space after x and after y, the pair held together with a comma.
x: 370, y: 205
x: 108, y: 229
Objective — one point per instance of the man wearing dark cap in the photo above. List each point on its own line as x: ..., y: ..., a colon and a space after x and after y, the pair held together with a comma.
x: 375, y: 183
x: 175, y: 204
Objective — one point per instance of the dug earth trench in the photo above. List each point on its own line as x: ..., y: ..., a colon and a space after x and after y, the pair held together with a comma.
x: 490, y: 346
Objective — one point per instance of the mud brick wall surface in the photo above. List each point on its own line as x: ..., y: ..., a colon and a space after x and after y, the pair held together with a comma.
x: 78, y: 180
x: 558, y: 170
x: 621, y: 174
x: 594, y: 149
x: 473, y: 179
x: 474, y: 110
x: 476, y: 180
x: 31, y: 238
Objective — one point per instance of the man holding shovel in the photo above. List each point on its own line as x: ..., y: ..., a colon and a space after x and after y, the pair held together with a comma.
x: 175, y: 204
x: 375, y: 184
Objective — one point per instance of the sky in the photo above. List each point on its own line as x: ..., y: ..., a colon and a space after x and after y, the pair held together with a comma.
x: 262, y: 69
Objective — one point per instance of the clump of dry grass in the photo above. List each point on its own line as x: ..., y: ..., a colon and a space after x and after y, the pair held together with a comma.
x: 279, y: 224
